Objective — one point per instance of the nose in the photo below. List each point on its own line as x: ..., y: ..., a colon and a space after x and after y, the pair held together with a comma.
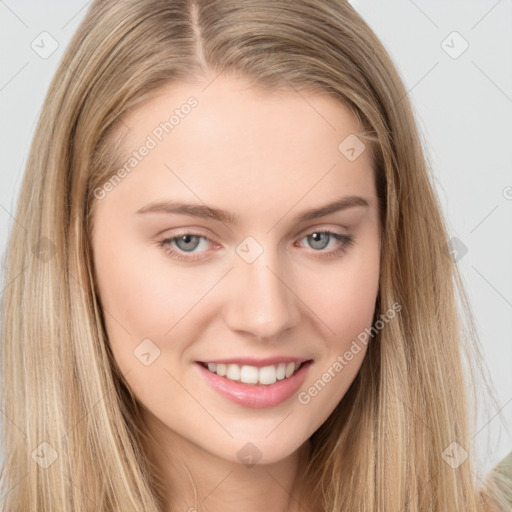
x: 262, y: 302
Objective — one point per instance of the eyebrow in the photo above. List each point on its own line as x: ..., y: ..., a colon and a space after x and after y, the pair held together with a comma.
x: 208, y: 212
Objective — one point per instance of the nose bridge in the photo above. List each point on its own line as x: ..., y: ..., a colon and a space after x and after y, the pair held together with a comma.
x: 263, y: 303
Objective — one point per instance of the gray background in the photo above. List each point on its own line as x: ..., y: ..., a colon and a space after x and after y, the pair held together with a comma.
x: 463, y: 106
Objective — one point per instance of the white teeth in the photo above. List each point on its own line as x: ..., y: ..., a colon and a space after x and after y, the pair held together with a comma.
x: 249, y: 374
x: 233, y: 372
x: 281, y: 371
x: 268, y: 374
x: 253, y: 375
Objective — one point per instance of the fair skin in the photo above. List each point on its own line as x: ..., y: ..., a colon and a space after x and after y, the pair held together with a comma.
x: 267, y: 158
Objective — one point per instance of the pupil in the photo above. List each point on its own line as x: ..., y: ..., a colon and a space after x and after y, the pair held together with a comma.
x: 186, y: 240
x: 316, y: 239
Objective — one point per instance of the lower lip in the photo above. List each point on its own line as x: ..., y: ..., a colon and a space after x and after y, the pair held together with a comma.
x: 256, y: 396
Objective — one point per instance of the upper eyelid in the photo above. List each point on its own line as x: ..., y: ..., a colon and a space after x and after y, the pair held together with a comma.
x: 302, y: 233
x: 300, y: 236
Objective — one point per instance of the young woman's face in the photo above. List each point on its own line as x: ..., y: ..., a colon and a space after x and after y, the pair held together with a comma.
x: 259, y: 284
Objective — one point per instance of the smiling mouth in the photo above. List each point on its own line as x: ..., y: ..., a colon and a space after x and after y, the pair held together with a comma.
x: 248, y: 374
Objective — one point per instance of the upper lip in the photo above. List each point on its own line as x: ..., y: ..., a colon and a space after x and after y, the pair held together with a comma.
x: 259, y: 363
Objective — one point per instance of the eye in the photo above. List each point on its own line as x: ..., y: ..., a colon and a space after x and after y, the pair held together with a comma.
x: 320, y: 239
x: 185, y: 243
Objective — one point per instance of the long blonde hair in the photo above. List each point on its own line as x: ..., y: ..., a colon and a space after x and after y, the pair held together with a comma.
x: 72, y: 437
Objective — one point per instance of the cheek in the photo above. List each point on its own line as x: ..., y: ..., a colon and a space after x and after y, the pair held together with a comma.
x: 344, y: 299
x: 138, y: 300
x: 138, y: 290
x: 346, y: 305
x: 354, y: 305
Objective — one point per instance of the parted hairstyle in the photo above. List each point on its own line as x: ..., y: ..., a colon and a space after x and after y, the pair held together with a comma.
x: 382, y: 447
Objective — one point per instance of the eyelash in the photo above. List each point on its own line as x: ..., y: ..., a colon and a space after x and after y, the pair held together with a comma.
x: 346, y: 241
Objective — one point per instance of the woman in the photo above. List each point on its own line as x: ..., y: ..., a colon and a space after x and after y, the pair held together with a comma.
x: 305, y: 352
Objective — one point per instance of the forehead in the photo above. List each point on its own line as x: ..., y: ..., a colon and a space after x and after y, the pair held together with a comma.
x: 231, y: 107
x: 224, y: 140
